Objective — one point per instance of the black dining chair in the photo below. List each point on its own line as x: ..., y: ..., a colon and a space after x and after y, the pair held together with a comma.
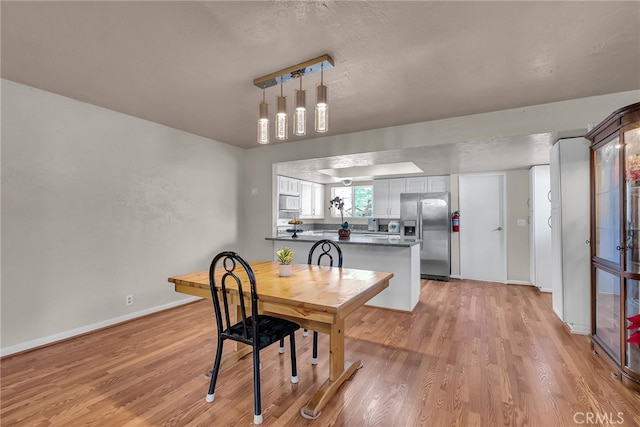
x: 258, y: 331
x: 328, y: 250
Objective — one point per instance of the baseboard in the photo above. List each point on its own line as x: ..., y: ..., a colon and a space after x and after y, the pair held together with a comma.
x: 580, y: 329
x: 546, y: 290
x: 509, y: 282
x: 519, y: 282
x: 29, y: 345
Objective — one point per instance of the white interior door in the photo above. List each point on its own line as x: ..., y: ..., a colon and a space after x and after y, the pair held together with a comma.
x: 482, y: 229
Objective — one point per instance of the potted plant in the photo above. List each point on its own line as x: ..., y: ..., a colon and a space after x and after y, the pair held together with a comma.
x: 285, y: 258
x: 338, y: 203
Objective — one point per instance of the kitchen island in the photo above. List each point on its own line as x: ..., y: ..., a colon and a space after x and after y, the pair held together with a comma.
x: 380, y: 253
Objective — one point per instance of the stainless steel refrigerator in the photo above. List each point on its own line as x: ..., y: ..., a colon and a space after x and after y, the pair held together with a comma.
x: 427, y: 216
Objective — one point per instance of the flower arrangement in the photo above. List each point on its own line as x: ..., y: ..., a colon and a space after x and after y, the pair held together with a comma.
x: 633, y: 169
x: 634, y: 338
x: 338, y: 203
x: 285, y: 255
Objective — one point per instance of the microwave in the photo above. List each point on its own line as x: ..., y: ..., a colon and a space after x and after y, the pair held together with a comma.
x: 289, y: 203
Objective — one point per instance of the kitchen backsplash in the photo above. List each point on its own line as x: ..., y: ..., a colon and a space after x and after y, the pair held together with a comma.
x: 331, y: 227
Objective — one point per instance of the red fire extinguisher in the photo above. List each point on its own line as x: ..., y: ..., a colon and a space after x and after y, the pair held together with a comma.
x: 455, y: 221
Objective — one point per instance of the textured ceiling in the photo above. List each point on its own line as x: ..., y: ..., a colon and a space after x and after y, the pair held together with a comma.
x: 495, y: 154
x: 190, y: 65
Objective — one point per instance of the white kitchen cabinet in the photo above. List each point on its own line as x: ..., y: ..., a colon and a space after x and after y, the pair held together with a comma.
x: 306, y: 199
x: 417, y: 184
x: 386, y: 197
x: 311, y: 200
x: 570, y: 231
x: 427, y: 184
x: 540, y: 227
x: 288, y: 186
x: 318, y: 201
x: 438, y: 184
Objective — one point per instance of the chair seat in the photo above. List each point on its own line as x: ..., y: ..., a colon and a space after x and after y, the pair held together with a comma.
x: 270, y: 330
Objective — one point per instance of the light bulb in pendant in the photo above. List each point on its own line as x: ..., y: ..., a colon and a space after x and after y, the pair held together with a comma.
x: 282, y: 132
x: 322, y: 109
x: 263, y: 121
x: 300, y: 114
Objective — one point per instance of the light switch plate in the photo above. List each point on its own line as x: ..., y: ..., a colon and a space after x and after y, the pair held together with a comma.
x: 522, y: 223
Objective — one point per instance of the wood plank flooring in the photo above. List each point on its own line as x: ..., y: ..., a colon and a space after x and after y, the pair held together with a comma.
x: 471, y: 354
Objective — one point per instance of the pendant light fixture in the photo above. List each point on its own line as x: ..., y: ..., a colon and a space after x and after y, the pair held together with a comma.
x: 300, y: 115
x: 282, y: 132
x: 322, y: 109
x: 263, y: 121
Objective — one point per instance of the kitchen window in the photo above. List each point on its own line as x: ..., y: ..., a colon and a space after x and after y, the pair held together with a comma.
x: 358, y: 201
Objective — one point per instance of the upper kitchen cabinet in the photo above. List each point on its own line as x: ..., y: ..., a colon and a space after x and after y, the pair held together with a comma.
x: 615, y: 233
x: 386, y: 197
x: 288, y: 186
x: 427, y: 184
x: 417, y: 184
x: 311, y: 200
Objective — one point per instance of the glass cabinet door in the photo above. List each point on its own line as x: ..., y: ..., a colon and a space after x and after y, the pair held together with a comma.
x: 632, y: 199
x: 607, y: 319
x: 607, y: 201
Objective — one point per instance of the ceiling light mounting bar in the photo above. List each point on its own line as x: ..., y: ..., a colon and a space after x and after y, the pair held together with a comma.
x: 305, y: 68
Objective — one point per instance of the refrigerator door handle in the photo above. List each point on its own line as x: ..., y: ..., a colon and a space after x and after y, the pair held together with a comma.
x: 420, y: 222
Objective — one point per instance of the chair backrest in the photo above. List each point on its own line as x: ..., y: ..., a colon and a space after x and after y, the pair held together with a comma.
x: 231, y: 267
x: 325, y: 250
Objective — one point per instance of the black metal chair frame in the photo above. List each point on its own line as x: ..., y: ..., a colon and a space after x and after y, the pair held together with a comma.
x: 326, y: 246
x: 258, y: 331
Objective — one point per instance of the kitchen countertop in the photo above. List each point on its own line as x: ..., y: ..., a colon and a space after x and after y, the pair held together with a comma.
x: 385, y: 239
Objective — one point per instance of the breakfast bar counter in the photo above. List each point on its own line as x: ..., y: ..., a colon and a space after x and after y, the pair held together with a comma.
x: 355, y: 239
x: 382, y: 253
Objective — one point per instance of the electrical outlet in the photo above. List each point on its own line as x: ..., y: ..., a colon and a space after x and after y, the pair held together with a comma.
x: 129, y: 300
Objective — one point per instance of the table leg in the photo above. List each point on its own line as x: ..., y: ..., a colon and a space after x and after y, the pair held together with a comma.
x: 339, y: 371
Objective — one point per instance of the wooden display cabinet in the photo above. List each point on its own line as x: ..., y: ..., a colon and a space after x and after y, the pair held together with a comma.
x: 615, y: 241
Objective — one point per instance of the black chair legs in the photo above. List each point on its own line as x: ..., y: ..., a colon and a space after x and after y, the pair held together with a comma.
x: 294, y: 366
x: 257, y: 417
x: 314, y: 357
x: 214, y: 374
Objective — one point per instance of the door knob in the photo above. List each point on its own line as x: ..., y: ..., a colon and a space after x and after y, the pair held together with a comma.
x: 498, y: 229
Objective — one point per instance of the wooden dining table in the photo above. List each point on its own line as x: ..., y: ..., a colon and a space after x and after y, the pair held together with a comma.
x: 318, y: 298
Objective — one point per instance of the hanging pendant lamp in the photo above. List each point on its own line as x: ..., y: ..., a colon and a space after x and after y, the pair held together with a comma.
x: 282, y: 132
x: 263, y: 121
x: 322, y: 109
x: 300, y: 115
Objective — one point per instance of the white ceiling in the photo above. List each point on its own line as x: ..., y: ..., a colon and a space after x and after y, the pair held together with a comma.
x: 190, y: 65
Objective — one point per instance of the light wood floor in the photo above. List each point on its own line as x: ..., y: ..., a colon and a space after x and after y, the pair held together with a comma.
x: 471, y: 354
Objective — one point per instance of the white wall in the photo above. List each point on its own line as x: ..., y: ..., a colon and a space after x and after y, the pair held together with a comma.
x: 566, y: 116
x: 97, y: 205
